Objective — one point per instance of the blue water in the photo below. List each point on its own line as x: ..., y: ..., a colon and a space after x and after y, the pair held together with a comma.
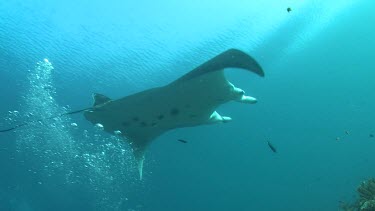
x: 316, y: 104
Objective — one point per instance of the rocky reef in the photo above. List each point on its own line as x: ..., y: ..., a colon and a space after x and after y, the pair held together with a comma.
x: 366, y: 201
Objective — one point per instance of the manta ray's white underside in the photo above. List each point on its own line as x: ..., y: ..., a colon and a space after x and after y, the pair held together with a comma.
x: 189, y: 101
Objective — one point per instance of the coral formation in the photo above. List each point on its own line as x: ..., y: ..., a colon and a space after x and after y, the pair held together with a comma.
x: 367, y: 195
x: 366, y: 201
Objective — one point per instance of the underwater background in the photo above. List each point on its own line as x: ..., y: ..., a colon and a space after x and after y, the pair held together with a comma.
x: 315, y: 104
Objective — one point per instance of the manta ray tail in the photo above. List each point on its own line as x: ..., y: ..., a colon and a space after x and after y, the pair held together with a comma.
x: 42, y: 119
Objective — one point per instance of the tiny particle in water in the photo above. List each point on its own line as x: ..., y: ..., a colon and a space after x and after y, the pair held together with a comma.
x: 337, y: 138
x: 271, y: 147
x: 117, y: 132
x: 371, y: 135
x: 192, y: 115
x: 74, y: 124
x: 288, y: 9
x: 182, y: 141
x: 125, y: 124
x: 135, y: 119
x: 174, y: 111
x: 143, y: 124
x: 347, y: 132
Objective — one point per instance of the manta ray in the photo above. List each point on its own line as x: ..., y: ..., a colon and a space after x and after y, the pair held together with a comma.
x: 189, y: 101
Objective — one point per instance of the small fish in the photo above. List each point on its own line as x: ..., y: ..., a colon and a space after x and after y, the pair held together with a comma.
x: 271, y: 147
x: 371, y: 135
x: 182, y: 141
x: 288, y: 9
x: 347, y: 132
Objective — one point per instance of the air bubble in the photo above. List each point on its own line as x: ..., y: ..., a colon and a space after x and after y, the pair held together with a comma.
x: 117, y: 132
x: 99, y: 126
